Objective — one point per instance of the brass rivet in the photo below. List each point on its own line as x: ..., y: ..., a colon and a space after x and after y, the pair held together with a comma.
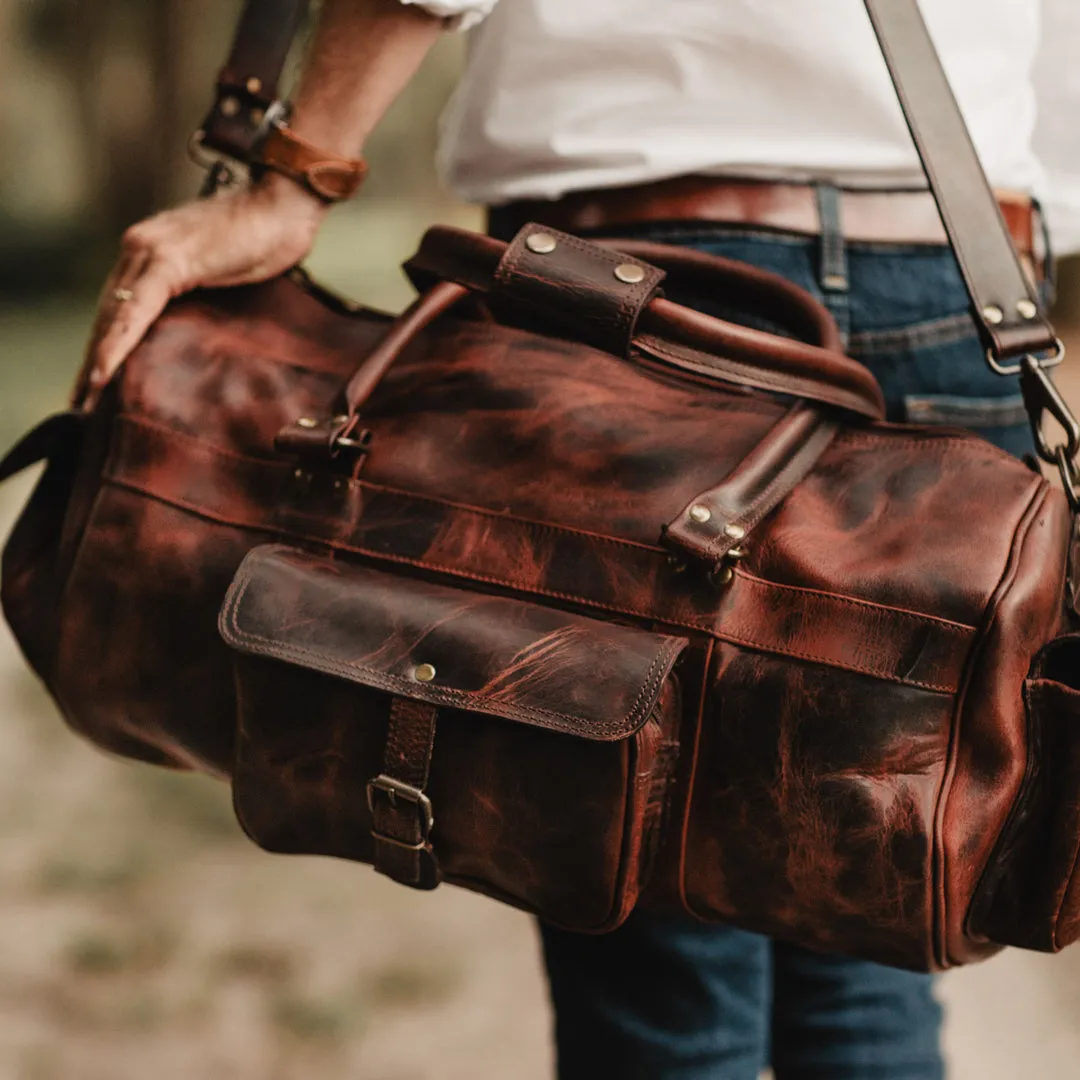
x: 724, y: 575
x: 993, y: 314
x: 700, y: 513
x: 340, y: 419
x: 253, y: 85
x: 734, y: 532
x: 630, y: 273
x: 307, y: 422
x: 541, y: 242
x: 736, y: 553
x: 229, y: 106
x: 424, y: 672
x: 1026, y: 309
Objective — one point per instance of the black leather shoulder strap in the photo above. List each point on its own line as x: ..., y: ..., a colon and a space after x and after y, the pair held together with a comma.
x: 1007, y: 307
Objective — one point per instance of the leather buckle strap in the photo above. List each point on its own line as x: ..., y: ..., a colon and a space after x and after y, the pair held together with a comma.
x: 327, y: 176
x: 402, y: 816
x: 247, y: 85
x: 716, y: 524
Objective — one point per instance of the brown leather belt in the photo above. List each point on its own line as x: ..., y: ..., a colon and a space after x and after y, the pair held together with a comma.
x: 887, y: 217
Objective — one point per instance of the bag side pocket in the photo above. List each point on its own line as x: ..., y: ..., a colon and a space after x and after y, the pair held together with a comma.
x: 1030, y: 893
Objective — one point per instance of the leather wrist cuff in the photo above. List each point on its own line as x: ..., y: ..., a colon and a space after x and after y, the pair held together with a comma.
x: 327, y: 176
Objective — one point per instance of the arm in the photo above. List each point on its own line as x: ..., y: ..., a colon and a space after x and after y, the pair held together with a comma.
x: 362, y: 55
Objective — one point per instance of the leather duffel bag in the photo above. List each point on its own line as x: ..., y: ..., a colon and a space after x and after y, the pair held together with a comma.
x: 562, y: 592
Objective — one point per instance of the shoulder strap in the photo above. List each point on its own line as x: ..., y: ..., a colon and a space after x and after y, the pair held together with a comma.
x: 1006, y: 307
x: 247, y: 86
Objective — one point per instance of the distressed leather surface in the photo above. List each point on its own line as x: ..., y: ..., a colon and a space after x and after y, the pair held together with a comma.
x: 330, y: 649
x: 524, y: 662
x: 848, y: 755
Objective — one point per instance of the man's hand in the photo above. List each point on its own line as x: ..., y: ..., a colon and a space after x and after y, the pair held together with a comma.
x: 238, y: 236
x: 363, y: 53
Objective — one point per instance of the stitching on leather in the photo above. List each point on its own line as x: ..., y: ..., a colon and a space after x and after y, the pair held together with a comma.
x: 1020, y: 531
x: 703, y: 626
x: 828, y: 661
x: 557, y: 530
x: 531, y: 523
x: 793, y: 474
x: 776, y: 490
x: 371, y: 485
x: 139, y: 420
x: 628, y: 303
x: 706, y: 682
x: 265, y: 646
x: 855, y: 601
x: 799, y: 385
x: 897, y: 435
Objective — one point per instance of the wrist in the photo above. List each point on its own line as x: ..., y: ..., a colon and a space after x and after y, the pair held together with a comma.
x: 322, y: 173
x: 289, y: 199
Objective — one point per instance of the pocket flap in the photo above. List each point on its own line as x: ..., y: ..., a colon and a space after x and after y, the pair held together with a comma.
x: 426, y: 642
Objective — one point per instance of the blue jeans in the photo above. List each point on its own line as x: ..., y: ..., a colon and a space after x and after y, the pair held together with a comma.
x: 669, y: 998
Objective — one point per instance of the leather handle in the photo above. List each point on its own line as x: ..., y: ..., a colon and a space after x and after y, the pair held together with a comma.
x: 455, y: 263
x: 690, y: 340
x: 716, y: 524
x: 1007, y: 308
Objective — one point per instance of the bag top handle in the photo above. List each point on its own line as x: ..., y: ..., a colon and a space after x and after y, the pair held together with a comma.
x: 1012, y: 324
x: 1007, y: 308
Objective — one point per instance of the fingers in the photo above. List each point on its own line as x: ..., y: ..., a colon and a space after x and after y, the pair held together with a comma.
x: 231, y: 239
x: 133, y: 312
x: 134, y: 295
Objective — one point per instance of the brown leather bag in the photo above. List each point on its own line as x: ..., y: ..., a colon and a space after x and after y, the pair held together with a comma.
x: 560, y: 591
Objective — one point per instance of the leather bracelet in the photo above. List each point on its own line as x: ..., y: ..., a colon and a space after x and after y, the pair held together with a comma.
x: 325, y: 175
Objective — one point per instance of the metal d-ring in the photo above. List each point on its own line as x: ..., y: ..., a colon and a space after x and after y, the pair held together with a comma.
x: 1047, y: 363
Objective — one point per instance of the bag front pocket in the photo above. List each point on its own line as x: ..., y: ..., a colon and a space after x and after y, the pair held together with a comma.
x: 440, y: 734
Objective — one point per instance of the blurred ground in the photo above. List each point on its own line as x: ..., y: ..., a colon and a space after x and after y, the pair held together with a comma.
x: 142, y: 934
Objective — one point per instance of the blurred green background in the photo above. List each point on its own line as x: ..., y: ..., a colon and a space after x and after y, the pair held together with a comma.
x: 140, y: 933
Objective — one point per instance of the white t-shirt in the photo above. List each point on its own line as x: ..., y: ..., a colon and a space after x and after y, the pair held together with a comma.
x: 561, y: 95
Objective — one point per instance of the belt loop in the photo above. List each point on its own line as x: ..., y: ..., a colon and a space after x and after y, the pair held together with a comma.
x: 833, y: 272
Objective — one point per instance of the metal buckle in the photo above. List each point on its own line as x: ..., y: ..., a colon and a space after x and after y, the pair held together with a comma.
x: 336, y: 434
x: 278, y: 113
x: 1047, y: 363
x: 396, y: 790
x: 1041, y: 396
x: 219, y: 173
